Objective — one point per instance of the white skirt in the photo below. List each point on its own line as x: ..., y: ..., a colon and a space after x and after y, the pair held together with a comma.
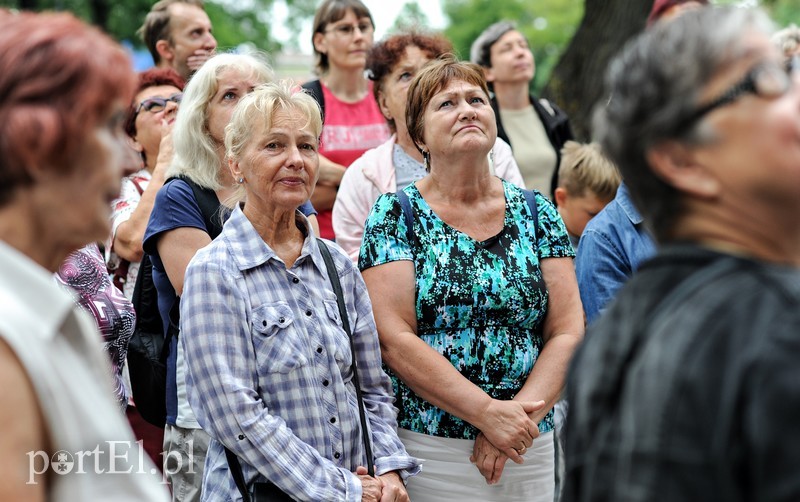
x: 447, y: 473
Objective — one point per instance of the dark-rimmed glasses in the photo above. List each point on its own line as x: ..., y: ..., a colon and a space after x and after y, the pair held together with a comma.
x: 767, y: 80
x: 348, y: 30
x: 155, y: 105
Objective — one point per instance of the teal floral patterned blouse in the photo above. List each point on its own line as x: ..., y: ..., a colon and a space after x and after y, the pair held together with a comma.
x: 479, y: 304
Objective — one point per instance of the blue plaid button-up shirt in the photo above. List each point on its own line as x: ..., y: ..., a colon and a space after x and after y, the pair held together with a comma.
x: 269, y: 371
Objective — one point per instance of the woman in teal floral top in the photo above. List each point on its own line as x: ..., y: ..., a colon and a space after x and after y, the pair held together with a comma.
x: 477, y: 306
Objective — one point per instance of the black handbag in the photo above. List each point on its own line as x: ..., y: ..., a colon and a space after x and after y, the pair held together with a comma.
x: 268, y: 492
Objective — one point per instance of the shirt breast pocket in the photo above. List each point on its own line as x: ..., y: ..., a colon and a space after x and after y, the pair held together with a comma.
x: 277, y: 343
x: 341, y: 340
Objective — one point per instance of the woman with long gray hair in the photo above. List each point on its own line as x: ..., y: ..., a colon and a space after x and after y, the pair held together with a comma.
x: 181, y: 223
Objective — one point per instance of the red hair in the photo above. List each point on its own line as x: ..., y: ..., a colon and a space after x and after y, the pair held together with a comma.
x: 153, y: 77
x: 59, y: 78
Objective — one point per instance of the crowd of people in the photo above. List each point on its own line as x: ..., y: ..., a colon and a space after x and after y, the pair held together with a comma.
x: 404, y: 279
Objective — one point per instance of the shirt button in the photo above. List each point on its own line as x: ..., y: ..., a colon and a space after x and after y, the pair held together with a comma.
x: 337, y: 455
x: 308, y: 313
x: 333, y: 420
x: 281, y: 320
x: 295, y: 280
x: 241, y: 436
x: 319, y: 350
x: 325, y: 383
x: 264, y: 323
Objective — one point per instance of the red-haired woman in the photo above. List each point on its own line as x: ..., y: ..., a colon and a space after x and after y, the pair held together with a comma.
x: 149, y: 125
x: 63, y: 91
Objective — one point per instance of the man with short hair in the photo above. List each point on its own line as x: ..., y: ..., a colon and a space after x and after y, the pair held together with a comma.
x: 178, y: 35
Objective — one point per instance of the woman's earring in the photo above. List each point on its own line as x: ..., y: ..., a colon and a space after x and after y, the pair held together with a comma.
x: 426, y: 157
x: 240, y: 180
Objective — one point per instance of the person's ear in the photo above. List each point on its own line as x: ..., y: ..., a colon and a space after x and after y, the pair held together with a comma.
x: 678, y: 166
x: 561, y: 195
x: 134, y: 143
x: 383, y: 106
x: 320, y: 43
x: 488, y: 74
x: 165, y: 52
x: 235, y: 169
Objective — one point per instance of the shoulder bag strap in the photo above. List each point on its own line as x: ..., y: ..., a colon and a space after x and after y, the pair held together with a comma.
x: 208, y: 203
x: 209, y: 206
x: 408, y: 214
x: 530, y: 198
x: 314, y: 87
x: 238, y: 476
x: 337, y: 288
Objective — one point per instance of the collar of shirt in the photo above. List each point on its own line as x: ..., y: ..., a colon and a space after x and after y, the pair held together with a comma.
x: 249, y: 249
x: 30, y: 290
x: 624, y: 200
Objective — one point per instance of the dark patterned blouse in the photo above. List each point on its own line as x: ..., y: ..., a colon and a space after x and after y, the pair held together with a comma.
x: 479, y: 304
x: 84, y: 275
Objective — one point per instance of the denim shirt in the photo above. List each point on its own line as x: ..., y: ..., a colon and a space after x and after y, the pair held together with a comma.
x: 613, y: 245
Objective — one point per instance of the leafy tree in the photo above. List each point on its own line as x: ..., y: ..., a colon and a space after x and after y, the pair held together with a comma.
x: 410, y: 17
x: 235, y: 22
x: 577, y: 81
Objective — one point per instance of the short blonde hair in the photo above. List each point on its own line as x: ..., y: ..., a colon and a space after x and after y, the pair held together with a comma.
x: 255, y: 112
x: 585, y: 167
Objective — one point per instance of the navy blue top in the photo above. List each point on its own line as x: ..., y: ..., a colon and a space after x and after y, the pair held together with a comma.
x: 175, y: 207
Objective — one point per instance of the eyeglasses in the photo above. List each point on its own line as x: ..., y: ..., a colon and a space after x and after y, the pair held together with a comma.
x: 155, y: 105
x: 348, y: 30
x: 767, y: 80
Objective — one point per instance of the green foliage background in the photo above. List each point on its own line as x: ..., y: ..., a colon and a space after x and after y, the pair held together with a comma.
x: 548, y: 24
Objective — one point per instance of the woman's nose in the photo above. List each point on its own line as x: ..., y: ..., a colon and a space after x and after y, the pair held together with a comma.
x: 170, y: 109
x: 294, y: 158
x: 466, y: 112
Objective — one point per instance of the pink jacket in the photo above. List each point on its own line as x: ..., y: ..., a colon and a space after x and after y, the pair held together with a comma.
x: 372, y: 174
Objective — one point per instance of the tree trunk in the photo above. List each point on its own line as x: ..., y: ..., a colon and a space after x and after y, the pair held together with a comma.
x: 577, y: 81
x: 31, y: 5
x: 100, y: 11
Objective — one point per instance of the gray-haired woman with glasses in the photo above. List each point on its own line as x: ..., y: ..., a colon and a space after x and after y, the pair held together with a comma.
x: 686, y: 387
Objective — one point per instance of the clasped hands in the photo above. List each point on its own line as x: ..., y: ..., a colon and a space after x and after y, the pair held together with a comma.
x: 387, y: 487
x: 506, y: 433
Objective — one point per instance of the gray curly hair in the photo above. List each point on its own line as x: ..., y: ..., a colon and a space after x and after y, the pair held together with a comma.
x: 655, y: 85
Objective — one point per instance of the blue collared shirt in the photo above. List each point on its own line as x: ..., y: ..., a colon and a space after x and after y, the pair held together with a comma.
x: 612, y: 246
x: 269, y: 368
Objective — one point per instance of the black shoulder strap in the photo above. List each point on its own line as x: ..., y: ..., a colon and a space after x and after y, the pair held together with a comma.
x: 530, y: 198
x: 238, y: 476
x: 314, y: 87
x: 337, y: 288
x: 408, y: 214
x: 209, y: 206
